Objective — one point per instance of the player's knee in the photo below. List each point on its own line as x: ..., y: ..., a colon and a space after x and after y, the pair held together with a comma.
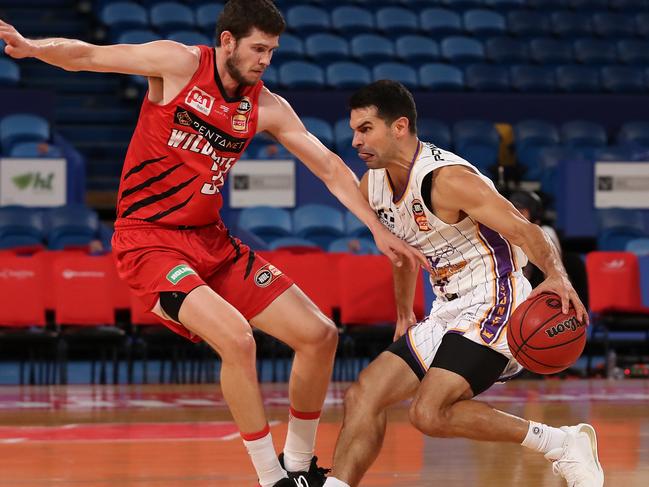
x: 328, y: 335
x: 238, y: 348
x: 323, y: 338
x: 427, y: 419
x: 354, y: 398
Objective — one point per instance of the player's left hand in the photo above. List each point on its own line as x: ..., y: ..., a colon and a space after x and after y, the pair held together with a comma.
x: 398, y: 251
x: 560, y: 285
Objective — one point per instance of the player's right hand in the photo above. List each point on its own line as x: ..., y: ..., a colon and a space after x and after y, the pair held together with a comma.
x: 403, y: 323
x: 17, y: 46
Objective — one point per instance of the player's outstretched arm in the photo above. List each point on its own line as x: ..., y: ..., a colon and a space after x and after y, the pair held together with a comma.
x: 156, y: 59
x: 458, y: 188
x: 278, y: 118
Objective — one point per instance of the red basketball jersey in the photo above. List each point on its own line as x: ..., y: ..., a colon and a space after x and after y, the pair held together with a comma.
x: 181, y: 152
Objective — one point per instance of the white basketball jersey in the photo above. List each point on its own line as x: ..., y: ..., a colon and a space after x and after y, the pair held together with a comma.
x: 466, y: 257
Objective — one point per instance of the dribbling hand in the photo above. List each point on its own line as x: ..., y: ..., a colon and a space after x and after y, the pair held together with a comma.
x: 17, y: 46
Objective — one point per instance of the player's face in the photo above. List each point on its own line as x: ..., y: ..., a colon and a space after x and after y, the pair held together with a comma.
x: 373, y: 138
x: 251, y: 56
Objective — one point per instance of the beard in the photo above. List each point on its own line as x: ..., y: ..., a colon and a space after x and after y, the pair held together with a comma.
x: 232, y: 64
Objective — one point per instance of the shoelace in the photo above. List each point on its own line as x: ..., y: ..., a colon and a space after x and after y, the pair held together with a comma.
x: 568, y: 468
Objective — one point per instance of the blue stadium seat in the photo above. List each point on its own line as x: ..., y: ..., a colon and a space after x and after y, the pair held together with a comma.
x: 308, y: 19
x: 398, y: 72
x: 351, y: 245
x: 634, y: 134
x: 551, y: 51
x: 416, y: 49
x: 550, y: 158
x: 440, y: 22
x: 642, y: 24
x: 504, y: 4
x: 619, y: 217
x: 321, y: 224
x: 633, y: 52
x: 434, y: 131
x: 206, y: 16
x: 119, y: 16
x: 169, y: 16
x: 585, y: 5
x: 595, y: 51
x: 461, y: 4
x: 20, y: 228
x: 35, y: 149
x: 613, y: 25
x: 613, y: 153
x: 639, y: 246
x: 371, y: 48
x: 579, y: 133
x: 343, y: 134
x: 527, y: 23
x: 441, y: 77
x: 321, y: 129
x: 531, y: 137
x: 478, y: 142
x: 291, y: 48
x: 189, y: 38
x: 533, y: 79
x: 300, y: 74
x: 326, y: 48
x: 396, y: 20
x: 352, y: 20
x: 22, y: 127
x: 506, y: 50
x: 459, y: 49
x: 347, y: 75
x: 9, y: 72
x: 485, y: 77
x: 623, y: 79
x: 138, y: 36
x: 578, y: 79
x: 617, y: 238
x: 545, y: 5
x: 483, y: 23
x: 571, y: 24
x: 292, y: 243
x: 356, y: 228
x: 71, y: 226
x: 270, y: 77
x: 267, y: 222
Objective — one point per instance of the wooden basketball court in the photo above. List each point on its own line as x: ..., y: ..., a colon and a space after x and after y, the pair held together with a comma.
x: 168, y: 436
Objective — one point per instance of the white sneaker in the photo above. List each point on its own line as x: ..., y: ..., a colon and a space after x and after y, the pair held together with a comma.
x: 577, y: 460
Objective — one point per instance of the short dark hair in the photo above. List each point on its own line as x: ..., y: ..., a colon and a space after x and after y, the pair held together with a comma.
x: 391, y: 99
x: 240, y: 16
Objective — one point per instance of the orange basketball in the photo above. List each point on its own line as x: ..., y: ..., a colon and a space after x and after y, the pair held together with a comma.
x: 542, y: 338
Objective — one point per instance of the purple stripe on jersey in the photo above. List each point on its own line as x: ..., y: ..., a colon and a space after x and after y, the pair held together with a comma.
x: 500, y: 249
x: 414, y: 353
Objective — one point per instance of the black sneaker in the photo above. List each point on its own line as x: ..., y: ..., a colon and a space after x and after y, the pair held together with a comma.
x: 315, y: 477
x: 286, y: 482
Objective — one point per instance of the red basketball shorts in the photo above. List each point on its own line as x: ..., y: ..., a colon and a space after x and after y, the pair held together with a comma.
x: 152, y: 259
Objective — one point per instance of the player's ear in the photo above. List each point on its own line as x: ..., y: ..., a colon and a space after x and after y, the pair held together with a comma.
x: 401, y: 126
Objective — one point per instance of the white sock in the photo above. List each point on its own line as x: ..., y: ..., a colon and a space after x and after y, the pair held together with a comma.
x: 262, y: 453
x: 543, y: 438
x: 300, y: 440
x: 334, y: 482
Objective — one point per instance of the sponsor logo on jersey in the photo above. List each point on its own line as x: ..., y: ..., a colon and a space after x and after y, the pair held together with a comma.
x: 184, y: 119
x: 445, y: 272
x: 420, y: 216
x: 175, y: 275
x: 245, y: 105
x: 239, y: 123
x: 220, y: 140
x: 266, y: 275
x: 386, y: 217
x: 201, y: 101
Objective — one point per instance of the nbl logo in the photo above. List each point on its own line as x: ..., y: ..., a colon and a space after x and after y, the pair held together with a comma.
x: 200, y: 100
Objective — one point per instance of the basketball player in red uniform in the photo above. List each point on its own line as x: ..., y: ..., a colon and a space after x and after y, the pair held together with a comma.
x: 203, y: 107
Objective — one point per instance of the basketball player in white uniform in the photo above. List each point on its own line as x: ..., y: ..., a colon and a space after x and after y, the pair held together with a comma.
x: 477, y: 243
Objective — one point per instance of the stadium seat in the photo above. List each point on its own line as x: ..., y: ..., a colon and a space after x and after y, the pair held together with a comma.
x: 595, y: 51
x: 634, y: 134
x: 352, y: 20
x: 551, y: 51
x: 527, y: 23
x: 294, y: 244
x: 268, y: 223
x: 291, y: 48
x: 619, y: 217
x: 167, y: 17
x: 617, y: 238
x: 613, y: 25
x: 579, y: 133
x: 319, y: 223
x: 22, y: 127
x: 415, y: 49
x: 22, y: 287
x: 270, y: 77
x: 462, y: 50
x: 578, y: 79
x: 478, y: 142
x: 321, y: 129
x: 434, y: 131
x: 326, y: 48
x: 530, y: 138
x: 613, y: 282
x: 138, y: 36
x: 440, y: 22
x: 343, y: 134
x: 484, y: 23
x: 571, y: 24
x: 71, y: 227
x: 441, y: 77
x: 308, y: 19
x: 461, y: 4
x: 372, y: 48
x: 301, y: 74
x: 504, y: 4
x: 9, y: 72
x: 21, y: 228
x: 356, y: 228
x: 351, y: 245
x: 506, y: 50
x: 642, y: 24
x: 533, y: 79
x: 120, y: 16
x: 35, y: 149
x: 623, y: 79
x: 484, y: 77
x: 397, y: 72
x: 347, y: 75
x: 206, y: 16
x: 638, y: 246
x: 189, y: 38
x: 396, y: 20
x: 582, y: 5
x: 613, y: 153
x: 633, y: 52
